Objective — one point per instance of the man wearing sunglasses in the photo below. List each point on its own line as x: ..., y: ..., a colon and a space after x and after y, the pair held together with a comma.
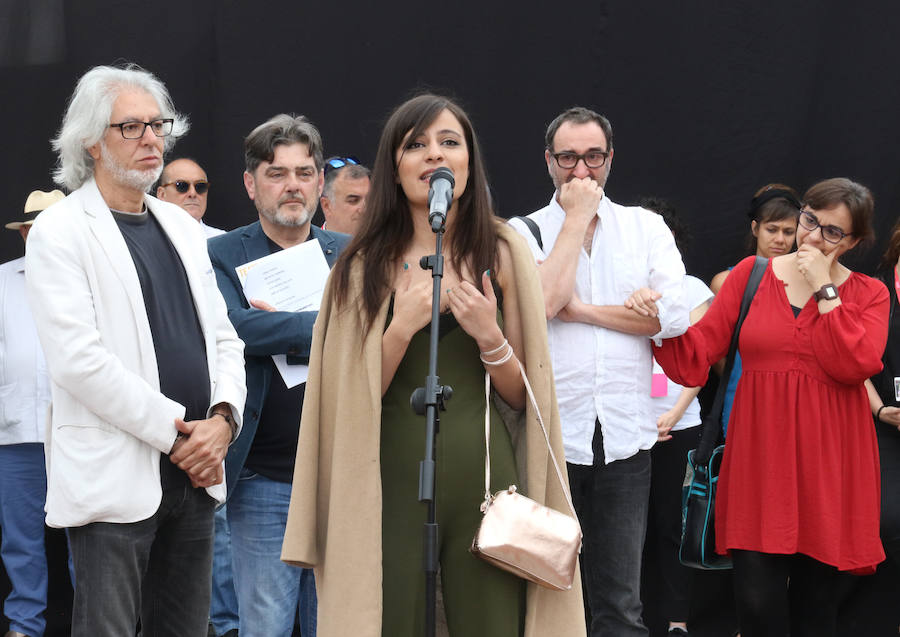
x: 344, y: 194
x: 184, y: 183
x: 147, y: 374
x: 592, y: 254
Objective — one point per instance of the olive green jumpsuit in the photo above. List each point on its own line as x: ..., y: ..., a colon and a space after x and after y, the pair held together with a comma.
x: 479, y: 599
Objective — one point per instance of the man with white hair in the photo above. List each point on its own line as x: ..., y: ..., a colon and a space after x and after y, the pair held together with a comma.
x: 147, y: 377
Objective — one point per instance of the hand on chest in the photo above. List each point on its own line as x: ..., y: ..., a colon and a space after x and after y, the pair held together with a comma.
x: 422, y: 281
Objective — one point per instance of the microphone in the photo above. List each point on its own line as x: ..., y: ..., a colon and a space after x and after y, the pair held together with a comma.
x: 440, y: 195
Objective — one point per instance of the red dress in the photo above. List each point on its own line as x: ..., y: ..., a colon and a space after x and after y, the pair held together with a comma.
x: 800, y: 472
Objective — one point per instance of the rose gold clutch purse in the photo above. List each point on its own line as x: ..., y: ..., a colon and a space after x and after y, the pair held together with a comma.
x: 520, y: 535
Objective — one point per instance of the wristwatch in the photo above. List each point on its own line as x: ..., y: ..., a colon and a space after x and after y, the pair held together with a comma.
x: 229, y: 420
x: 827, y: 292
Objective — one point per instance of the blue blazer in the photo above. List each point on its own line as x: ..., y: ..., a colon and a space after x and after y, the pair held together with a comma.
x: 264, y: 333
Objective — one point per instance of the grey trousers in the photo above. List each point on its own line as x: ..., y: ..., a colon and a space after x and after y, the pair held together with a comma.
x: 158, y: 569
x: 612, y: 503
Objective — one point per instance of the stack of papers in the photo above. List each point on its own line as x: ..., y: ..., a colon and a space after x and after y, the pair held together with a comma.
x: 291, y: 280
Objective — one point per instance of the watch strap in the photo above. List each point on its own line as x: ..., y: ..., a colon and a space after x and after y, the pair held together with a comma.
x: 827, y: 292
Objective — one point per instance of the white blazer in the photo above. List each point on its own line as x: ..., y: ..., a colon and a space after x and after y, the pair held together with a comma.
x: 109, y: 421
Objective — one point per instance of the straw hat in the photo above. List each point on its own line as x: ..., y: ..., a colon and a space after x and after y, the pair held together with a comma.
x: 37, y: 202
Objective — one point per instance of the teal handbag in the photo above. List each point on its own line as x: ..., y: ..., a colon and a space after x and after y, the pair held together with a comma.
x: 698, y: 500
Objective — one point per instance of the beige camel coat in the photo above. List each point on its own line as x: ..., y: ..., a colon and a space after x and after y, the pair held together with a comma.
x: 334, y: 523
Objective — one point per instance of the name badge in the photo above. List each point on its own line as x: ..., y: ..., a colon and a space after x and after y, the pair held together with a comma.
x: 897, y: 388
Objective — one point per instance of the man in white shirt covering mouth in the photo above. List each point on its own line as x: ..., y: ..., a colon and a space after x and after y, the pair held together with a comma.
x: 592, y: 254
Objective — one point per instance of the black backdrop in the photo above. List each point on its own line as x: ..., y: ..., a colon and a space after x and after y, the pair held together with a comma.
x: 708, y: 100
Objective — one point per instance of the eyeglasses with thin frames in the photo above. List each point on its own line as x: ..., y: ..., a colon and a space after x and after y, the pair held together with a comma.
x: 831, y: 234
x: 135, y: 130
x: 182, y: 186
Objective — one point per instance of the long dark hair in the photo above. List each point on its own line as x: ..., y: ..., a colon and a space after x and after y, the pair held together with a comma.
x: 387, y: 227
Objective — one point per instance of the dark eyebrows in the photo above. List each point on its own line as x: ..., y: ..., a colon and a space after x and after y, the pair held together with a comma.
x: 823, y: 226
x: 277, y: 167
x: 595, y: 149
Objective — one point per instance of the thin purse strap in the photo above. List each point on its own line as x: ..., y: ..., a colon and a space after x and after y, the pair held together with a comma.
x: 487, y: 438
x: 713, y: 422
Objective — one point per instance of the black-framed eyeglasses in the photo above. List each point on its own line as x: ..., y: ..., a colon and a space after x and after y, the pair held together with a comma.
x: 135, y: 130
x: 592, y: 159
x: 333, y: 163
x: 831, y: 234
x: 182, y: 186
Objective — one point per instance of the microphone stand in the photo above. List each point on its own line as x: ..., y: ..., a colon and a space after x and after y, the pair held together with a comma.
x: 428, y: 400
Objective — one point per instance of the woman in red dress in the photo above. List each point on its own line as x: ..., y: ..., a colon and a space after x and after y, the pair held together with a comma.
x: 798, y: 497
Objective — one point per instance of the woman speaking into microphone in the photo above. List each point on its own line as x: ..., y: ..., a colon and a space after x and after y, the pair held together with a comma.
x: 355, y: 515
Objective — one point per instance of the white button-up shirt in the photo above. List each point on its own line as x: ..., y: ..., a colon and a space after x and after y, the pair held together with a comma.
x: 24, y: 385
x: 601, y: 373
x: 696, y: 293
x: 209, y: 231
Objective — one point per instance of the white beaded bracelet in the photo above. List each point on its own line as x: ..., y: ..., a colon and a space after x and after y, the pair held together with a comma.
x: 496, y: 350
x: 501, y: 360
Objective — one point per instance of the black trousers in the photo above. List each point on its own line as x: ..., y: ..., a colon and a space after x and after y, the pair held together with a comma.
x: 889, y: 451
x: 669, y: 460
x: 781, y: 595
x: 611, y: 501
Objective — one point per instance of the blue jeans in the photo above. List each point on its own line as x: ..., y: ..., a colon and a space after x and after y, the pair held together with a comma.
x: 269, y: 591
x: 158, y: 568
x: 23, y: 489
x: 223, y: 607
x: 612, y: 503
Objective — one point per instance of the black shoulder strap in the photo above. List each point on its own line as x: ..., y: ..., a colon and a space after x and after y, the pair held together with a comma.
x: 533, y: 227
x: 712, y: 425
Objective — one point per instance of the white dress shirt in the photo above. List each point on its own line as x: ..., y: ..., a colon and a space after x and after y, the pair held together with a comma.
x: 601, y: 373
x: 696, y: 293
x: 209, y: 231
x: 24, y: 384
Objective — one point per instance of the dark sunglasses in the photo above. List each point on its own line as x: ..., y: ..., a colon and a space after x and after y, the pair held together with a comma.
x: 339, y: 162
x: 183, y: 186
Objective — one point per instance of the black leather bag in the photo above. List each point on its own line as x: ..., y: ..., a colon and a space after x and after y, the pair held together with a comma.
x: 698, y: 511
x: 698, y: 515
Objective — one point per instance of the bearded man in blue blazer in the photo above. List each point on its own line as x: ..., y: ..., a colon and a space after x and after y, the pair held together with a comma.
x: 284, y: 178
